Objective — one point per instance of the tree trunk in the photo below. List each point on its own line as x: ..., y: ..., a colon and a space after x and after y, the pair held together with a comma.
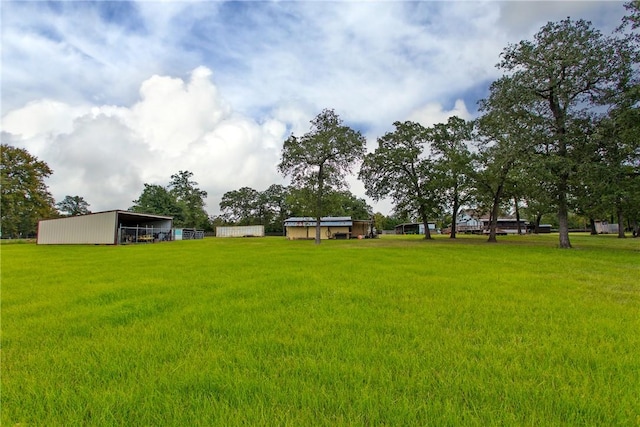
x: 538, y: 219
x: 563, y: 218
x: 425, y: 221
x: 456, y: 206
x: 592, y: 225
x: 620, y: 221
x: 493, y: 225
x: 563, y: 177
x: 515, y: 202
x: 317, y: 240
x: 319, y: 204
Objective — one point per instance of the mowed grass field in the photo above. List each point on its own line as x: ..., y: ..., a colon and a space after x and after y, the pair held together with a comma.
x: 263, y: 331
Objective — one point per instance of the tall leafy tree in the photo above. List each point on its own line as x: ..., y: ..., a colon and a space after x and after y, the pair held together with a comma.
x: 156, y: 199
x: 609, y: 170
x: 73, y: 206
x: 494, y: 169
x: 190, y: 198
x: 559, y: 74
x: 399, y: 169
x: 241, y: 206
x: 24, y: 197
x: 453, y: 162
x: 614, y: 178
x: 504, y: 138
x: 247, y: 206
x: 274, y: 207
x: 618, y: 134
x: 320, y: 159
x: 301, y: 202
x: 537, y: 194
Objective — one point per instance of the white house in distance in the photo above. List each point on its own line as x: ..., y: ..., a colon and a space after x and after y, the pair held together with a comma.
x: 471, y: 223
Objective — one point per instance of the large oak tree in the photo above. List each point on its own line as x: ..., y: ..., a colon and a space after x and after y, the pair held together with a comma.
x: 399, y: 169
x: 73, y: 206
x: 156, y: 199
x: 453, y: 162
x: 190, y: 198
x: 241, y: 207
x: 25, y: 197
x: 320, y: 159
x: 559, y: 75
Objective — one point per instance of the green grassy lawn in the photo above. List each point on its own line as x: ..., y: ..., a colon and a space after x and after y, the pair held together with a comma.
x: 264, y: 331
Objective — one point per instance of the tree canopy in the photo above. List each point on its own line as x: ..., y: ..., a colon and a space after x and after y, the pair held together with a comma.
x: 557, y: 78
x: 73, y: 206
x: 156, y: 199
x: 452, y: 162
x: 190, y: 199
x: 182, y: 200
x: 241, y: 207
x: 25, y: 197
x: 398, y: 169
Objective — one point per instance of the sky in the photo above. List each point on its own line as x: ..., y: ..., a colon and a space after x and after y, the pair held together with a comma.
x: 116, y: 94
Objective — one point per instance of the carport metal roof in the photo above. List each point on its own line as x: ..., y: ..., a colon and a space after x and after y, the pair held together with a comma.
x: 128, y: 216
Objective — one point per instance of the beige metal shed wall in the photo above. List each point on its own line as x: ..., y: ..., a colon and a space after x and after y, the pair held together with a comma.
x: 294, y: 233
x: 300, y: 233
x: 360, y: 228
x: 99, y: 229
x: 328, y: 232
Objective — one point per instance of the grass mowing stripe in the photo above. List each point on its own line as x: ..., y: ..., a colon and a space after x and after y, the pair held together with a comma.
x: 267, y: 331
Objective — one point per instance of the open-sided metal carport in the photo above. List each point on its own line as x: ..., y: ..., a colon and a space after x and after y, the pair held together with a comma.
x: 105, y: 228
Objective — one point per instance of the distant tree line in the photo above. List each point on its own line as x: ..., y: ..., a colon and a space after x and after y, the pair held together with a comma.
x: 559, y: 133
x: 272, y: 206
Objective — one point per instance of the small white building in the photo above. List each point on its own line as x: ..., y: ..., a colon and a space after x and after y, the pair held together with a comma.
x: 603, y: 227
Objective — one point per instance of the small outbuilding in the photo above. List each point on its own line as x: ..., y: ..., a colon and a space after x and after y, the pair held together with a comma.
x: 105, y: 228
x: 330, y: 228
x: 240, y: 231
x: 414, y: 228
x: 603, y: 227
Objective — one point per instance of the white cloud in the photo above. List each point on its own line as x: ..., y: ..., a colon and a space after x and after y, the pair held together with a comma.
x: 100, y: 160
x: 434, y: 113
x: 172, y: 114
x: 42, y: 117
x: 524, y: 18
x: 106, y: 153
